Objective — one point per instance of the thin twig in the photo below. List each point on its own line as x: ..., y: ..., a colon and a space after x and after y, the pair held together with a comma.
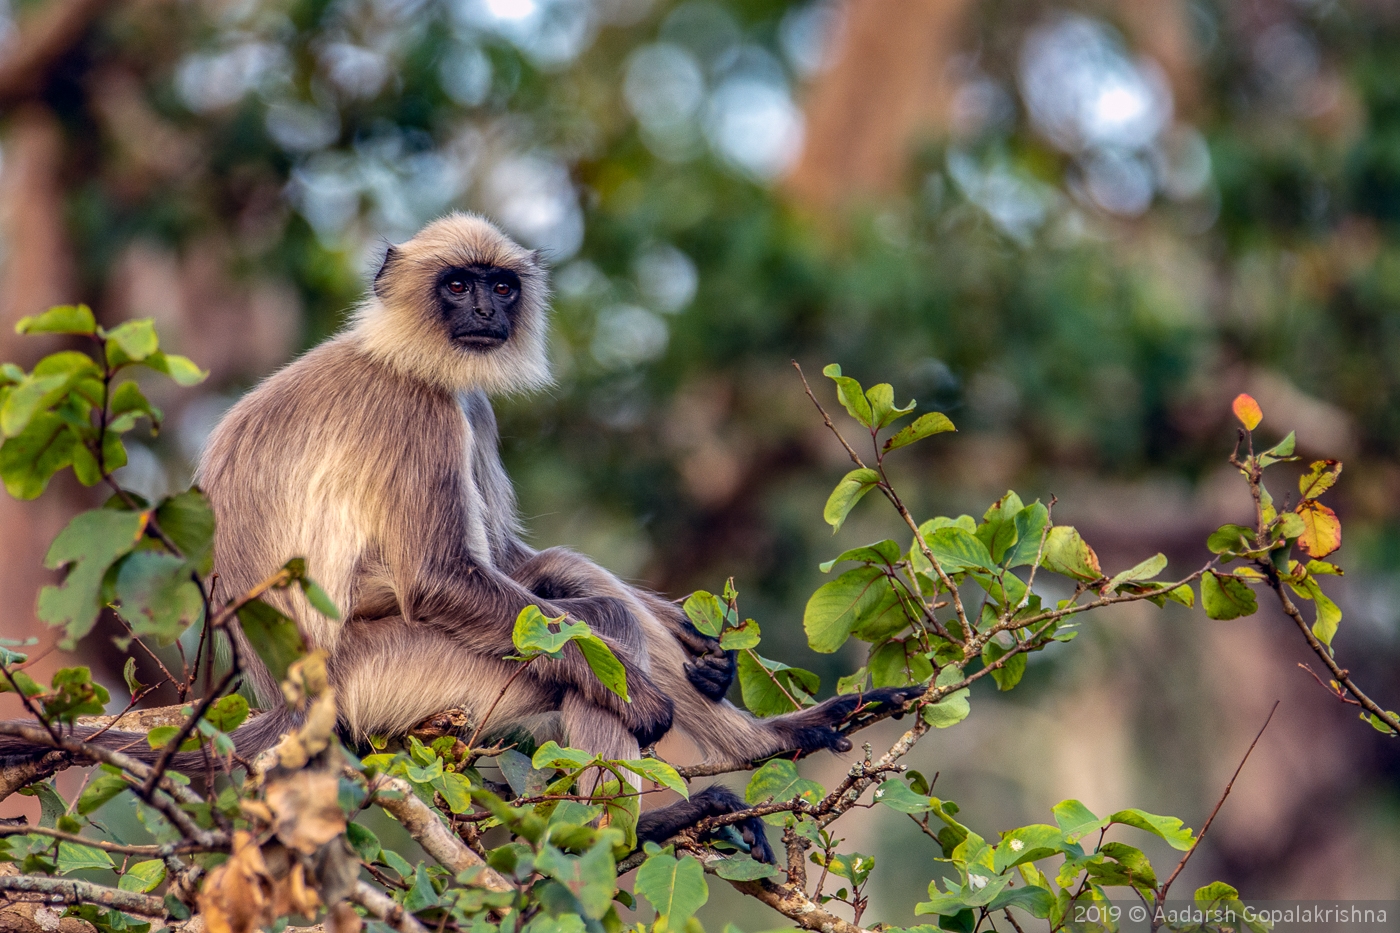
x: 1166, y: 885
x: 476, y: 733
x: 161, y: 852
x: 170, y: 748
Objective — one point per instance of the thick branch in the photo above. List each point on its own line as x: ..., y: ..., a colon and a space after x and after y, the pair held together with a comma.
x: 430, y: 833
x: 382, y: 907
x: 68, y: 891
x: 167, y: 807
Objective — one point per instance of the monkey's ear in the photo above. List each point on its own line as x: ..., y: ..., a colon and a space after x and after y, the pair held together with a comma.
x: 391, y: 258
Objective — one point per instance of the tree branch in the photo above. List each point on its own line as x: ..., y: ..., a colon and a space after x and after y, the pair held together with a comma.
x: 68, y: 891
x: 431, y: 833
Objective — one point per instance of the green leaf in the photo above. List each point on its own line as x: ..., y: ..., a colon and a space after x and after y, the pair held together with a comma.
x: 128, y: 399
x: 188, y: 520
x: 30, y: 459
x: 131, y: 342
x: 36, y: 393
x: 949, y: 711
x: 882, y: 552
x: 456, y: 790
x: 762, y: 683
x: 129, y: 675
x: 743, y: 868
x: 779, y: 780
x: 161, y: 736
x: 100, y: 790
x: 852, y: 488
x: 705, y: 612
x: 182, y: 370
x: 897, y: 795
x: 552, y: 755
x: 934, y: 422
x: 1229, y: 538
x: 157, y: 595
x: 882, y: 409
x: 604, y: 664
x: 26, y: 684
x: 73, y: 856
x: 1324, y: 627
x: 654, y: 769
x: 532, y: 634
x: 1009, y: 674
x: 88, y: 546
x: 1030, y: 524
x: 1143, y: 571
x: 275, y: 638
x: 227, y: 713
x: 1215, y: 891
x: 839, y: 605
x: 1027, y: 844
x: 853, y: 683
x: 1129, y: 868
x: 1283, y: 450
x: 1076, y: 820
x: 591, y: 878
x: 143, y: 877
x: 740, y: 637
x: 674, y: 887
x: 1168, y: 828
x: 1226, y: 597
x: 74, y: 694
x: 61, y: 319
x: 422, y: 895
x: 899, y: 663
x: 1069, y: 554
x: 851, y: 395
x: 363, y: 841
x: 51, y: 806
x: 1321, y: 476
x: 956, y: 550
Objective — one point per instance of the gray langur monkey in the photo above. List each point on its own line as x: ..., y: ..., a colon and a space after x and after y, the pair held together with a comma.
x: 374, y: 455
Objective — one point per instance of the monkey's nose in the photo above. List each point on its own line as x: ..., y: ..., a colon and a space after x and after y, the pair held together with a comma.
x: 481, y: 312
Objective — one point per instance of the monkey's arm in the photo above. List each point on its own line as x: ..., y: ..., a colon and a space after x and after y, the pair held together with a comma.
x: 477, y: 607
x: 561, y: 574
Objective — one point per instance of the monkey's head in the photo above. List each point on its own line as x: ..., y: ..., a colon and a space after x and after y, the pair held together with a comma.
x: 460, y: 305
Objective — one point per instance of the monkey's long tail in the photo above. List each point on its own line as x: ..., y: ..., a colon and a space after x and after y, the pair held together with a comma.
x: 259, y: 733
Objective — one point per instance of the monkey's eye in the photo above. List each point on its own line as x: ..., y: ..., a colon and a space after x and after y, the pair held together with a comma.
x: 502, y: 288
x: 456, y: 286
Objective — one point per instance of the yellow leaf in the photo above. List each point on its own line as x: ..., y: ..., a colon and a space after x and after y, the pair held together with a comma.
x: 1323, y: 533
x: 1248, y: 411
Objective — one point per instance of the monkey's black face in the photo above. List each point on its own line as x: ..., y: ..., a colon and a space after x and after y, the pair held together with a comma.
x: 479, y: 304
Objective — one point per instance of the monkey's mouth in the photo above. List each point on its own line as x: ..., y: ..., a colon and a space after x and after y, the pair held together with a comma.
x: 479, y: 341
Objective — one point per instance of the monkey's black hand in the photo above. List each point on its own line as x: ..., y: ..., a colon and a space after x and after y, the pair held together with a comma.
x: 659, y: 825
x: 712, y: 669
x: 712, y: 673
x: 817, y: 728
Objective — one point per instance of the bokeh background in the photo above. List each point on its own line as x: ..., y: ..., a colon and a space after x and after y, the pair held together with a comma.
x: 1079, y: 228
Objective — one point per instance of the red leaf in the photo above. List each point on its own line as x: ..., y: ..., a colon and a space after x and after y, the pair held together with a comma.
x: 1248, y: 411
x: 1323, y: 533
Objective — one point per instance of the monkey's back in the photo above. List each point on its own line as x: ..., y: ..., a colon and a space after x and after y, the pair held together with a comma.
x: 317, y: 461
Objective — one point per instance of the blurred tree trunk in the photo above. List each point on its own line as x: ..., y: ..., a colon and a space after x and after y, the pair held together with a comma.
x: 888, y: 87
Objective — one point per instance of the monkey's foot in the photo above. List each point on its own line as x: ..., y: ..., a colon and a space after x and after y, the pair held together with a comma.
x: 715, y: 800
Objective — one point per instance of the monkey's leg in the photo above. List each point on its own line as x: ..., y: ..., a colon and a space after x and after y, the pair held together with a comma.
x: 390, y: 675
x: 478, y: 608
x: 716, y: 800
x: 595, y: 731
